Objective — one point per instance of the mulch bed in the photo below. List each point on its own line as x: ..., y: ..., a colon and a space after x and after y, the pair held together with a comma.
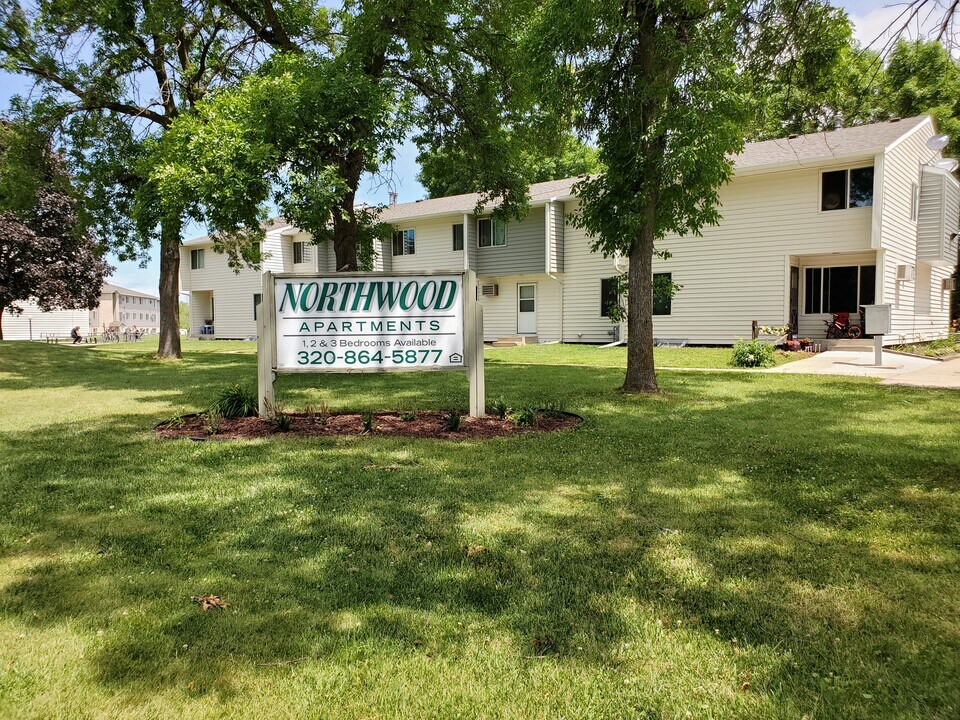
x: 426, y: 424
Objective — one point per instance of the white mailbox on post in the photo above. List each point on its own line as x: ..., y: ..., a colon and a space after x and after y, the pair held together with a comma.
x: 877, y: 321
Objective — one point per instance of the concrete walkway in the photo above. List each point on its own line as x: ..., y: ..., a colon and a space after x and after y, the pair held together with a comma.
x: 853, y: 362
x: 940, y: 375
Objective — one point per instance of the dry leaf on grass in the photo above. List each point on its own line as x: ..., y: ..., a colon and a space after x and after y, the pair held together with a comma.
x: 210, y: 601
x: 475, y: 550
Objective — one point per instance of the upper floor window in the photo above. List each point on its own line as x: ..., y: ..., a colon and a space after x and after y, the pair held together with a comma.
x: 914, y: 201
x: 491, y: 232
x: 301, y: 252
x: 842, y: 189
x: 458, y: 237
x: 404, y: 242
x: 196, y: 259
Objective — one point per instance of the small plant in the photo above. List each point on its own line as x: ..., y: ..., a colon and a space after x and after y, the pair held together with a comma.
x: 499, y: 407
x: 213, y: 422
x: 753, y: 353
x: 317, y: 414
x: 235, y: 401
x: 554, y: 408
x: 525, y: 416
x: 367, y: 420
x: 278, y: 417
x: 408, y: 415
x: 178, y: 420
x: 451, y: 420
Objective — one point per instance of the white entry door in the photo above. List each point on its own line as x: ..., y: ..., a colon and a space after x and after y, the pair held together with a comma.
x: 526, y: 309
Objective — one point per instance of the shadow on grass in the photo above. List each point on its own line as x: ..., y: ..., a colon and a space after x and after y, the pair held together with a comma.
x: 775, y: 517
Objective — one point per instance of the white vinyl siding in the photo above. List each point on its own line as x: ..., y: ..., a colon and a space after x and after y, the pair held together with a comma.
x: 524, y: 253
x: 554, y: 229
x: 500, y: 313
x: 920, y: 308
x: 434, y: 248
x: 55, y: 322
x: 231, y: 295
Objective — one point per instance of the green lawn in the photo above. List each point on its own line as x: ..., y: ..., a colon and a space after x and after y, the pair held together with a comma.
x: 742, y: 546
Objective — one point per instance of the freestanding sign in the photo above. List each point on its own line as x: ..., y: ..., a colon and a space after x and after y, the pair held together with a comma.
x: 370, y: 322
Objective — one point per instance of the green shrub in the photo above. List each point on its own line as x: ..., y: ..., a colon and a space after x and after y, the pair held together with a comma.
x: 499, y: 407
x: 753, y: 353
x: 235, y: 401
x: 451, y: 420
x: 524, y: 417
x: 408, y: 415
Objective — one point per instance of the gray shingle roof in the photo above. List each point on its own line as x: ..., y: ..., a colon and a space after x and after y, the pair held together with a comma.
x: 861, y: 139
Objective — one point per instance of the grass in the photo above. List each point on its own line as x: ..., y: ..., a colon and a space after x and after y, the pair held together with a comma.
x: 949, y: 345
x: 742, y: 546
x: 592, y: 355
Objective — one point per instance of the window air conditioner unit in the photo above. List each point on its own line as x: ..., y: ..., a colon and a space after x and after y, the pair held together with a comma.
x: 491, y: 290
x: 948, y: 284
x: 906, y: 273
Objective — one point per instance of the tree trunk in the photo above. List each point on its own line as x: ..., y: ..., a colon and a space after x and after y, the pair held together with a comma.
x: 3, y: 309
x: 641, y: 375
x: 345, y: 221
x: 345, y: 236
x: 169, y: 290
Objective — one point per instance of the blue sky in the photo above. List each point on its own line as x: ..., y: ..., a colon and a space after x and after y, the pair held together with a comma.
x: 869, y: 16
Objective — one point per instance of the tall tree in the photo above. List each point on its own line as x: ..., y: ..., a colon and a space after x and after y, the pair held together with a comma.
x: 45, y: 252
x: 316, y: 117
x: 662, y: 84
x: 114, y: 74
x: 446, y: 171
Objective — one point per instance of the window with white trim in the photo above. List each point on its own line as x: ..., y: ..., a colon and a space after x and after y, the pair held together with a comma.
x: 914, y: 201
x: 301, y: 252
x: 491, y: 232
x: 458, y: 237
x: 404, y: 242
x: 196, y: 259
x: 843, y: 189
x: 839, y: 289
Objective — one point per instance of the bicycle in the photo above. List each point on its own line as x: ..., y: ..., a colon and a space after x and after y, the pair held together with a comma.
x: 839, y: 327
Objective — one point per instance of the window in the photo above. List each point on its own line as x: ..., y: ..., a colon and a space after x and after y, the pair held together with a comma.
x: 491, y: 232
x: 839, y: 289
x: 608, y: 295
x: 458, y: 237
x: 663, y: 293
x: 842, y: 189
x: 914, y: 201
x: 404, y: 242
x: 257, y: 299
x: 301, y: 253
x: 196, y: 259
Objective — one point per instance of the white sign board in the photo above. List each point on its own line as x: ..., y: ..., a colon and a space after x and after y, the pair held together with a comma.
x: 370, y: 322
x: 366, y: 323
